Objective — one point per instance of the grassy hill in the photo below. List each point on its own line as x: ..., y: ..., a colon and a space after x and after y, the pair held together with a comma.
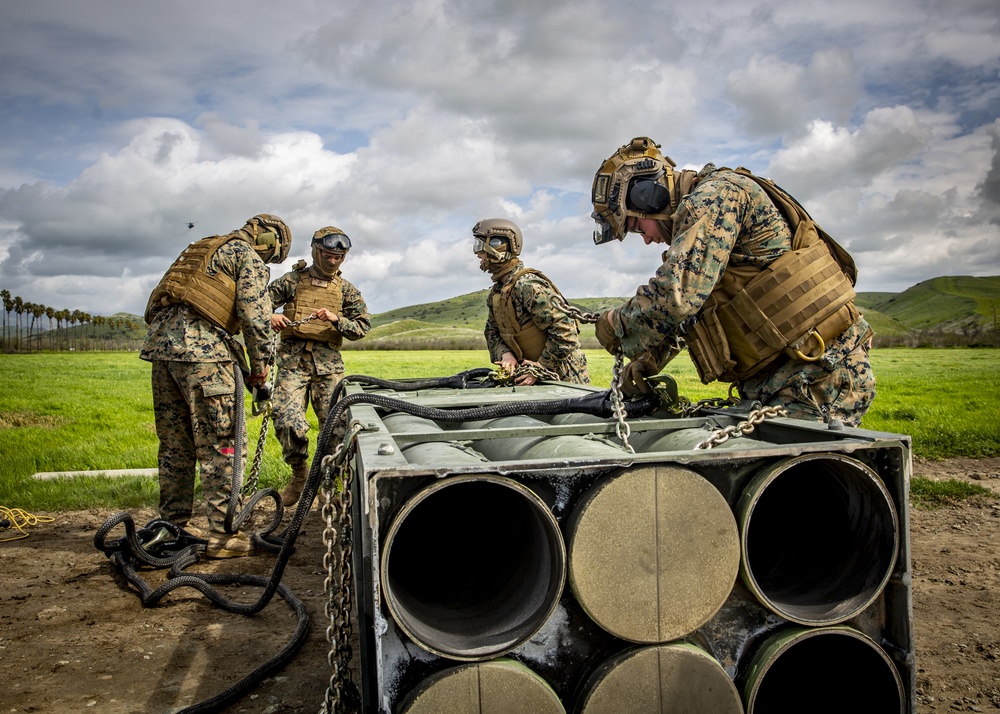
x: 945, y: 310
x: 957, y: 306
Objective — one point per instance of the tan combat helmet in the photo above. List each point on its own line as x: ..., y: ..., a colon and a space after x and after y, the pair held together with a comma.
x: 498, y: 238
x: 272, y: 239
x: 637, y: 180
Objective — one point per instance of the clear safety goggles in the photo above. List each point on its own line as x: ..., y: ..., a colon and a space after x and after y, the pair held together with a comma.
x: 334, y: 241
x: 481, y: 244
x: 604, y: 233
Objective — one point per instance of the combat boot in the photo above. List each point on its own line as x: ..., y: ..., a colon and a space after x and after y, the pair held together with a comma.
x: 290, y: 496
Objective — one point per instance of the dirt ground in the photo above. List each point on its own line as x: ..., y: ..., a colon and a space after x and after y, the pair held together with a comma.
x: 74, y: 636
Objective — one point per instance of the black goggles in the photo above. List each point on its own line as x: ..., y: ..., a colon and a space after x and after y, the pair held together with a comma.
x: 333, y: 241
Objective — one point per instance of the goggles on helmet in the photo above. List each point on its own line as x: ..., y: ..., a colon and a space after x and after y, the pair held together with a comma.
x: 333, y: 241
x: 489, y: 245
x: 637, y: 180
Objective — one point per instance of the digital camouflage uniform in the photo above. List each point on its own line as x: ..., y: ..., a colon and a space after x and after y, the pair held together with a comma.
x: 728, y: 220
x: 194, y: 387
x: 309, y: 371
x: 535, y: 300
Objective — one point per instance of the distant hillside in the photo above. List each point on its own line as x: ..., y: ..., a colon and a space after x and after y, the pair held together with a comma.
x: 962, y: 309
x: 956, y: 310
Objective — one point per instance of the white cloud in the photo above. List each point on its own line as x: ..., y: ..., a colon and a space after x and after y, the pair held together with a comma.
x: 404, y: 123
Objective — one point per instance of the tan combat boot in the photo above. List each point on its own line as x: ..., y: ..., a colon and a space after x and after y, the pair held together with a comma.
x: 290, y: 496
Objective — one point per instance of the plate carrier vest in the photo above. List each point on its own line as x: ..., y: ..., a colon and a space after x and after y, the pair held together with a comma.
x: 310, y: 295
x: 795, y: 306
x: 525, y: 341
x: 188, y: 281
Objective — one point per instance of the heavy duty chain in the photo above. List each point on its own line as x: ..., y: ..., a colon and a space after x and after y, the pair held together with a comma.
x: 754, y: 418
x: 622, y: 429
x: 576, y: 313
x: 264, y: 407
x: 336, y: 513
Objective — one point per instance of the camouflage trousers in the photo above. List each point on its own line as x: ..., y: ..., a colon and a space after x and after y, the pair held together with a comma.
x: 814, y: 392
x: 193, y: 404
x: 299, y: 383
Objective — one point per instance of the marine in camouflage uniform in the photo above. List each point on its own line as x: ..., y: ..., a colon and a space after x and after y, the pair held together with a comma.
x: 309, y: 359
x: 191, y: 346
x: 527, y: 323
x: 721, y: 223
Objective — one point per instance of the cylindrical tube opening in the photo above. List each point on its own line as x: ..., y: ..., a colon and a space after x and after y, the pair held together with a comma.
x: 822, y: 671
x: 473, y: 566
x: 819, y: 536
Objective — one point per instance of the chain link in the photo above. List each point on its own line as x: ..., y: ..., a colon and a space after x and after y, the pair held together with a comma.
x: 336, y: 514
x: 622, y: 429
x: 576, y: 313
x: 754, y: 418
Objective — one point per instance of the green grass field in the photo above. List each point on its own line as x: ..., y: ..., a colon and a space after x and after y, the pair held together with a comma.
x: 91, y: 411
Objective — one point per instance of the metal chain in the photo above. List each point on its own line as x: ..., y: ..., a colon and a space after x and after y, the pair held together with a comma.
x: 336, y: 513
x: 754, y: 418
x: 622, y: 429
x: 250, y: 485
x: 576, y: 313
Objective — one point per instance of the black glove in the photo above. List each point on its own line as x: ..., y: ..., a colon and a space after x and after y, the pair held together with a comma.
x: 606, y: 335
x: 634, y: 376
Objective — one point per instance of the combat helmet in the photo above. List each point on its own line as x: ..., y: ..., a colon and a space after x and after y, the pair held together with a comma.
x: 498, y: 238
x: 271, y: 237
x: 637, y: 180
x: 329, y: 248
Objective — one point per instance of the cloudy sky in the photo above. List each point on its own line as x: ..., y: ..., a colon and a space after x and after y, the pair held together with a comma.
x: 404, y: 123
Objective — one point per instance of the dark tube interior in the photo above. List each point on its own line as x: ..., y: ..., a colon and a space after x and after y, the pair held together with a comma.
x: 820, y: 541
x: 474, y: 568
x: 829, y: 673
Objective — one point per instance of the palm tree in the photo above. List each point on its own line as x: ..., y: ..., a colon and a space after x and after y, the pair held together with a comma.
x: 50, y: 312
x: 8, y: 305
x: 62, y: 316
x: 18, y: 310
x: 99, y: 321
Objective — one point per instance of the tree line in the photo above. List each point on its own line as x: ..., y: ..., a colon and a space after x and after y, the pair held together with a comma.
x: 32, y: 327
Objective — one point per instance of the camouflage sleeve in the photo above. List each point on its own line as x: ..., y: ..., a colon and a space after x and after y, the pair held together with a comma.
x: 491, y: 332
x: 253, y: 305
x: 354, y: 322
x: 281, y: 290
x: 706, y: 226
x: 540, y: 299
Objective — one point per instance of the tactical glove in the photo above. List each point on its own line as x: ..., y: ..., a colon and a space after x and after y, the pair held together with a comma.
x: 634, y: 376
x: 606, y: 334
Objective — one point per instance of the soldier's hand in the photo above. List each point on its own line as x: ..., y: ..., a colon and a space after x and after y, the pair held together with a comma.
x: 508, y: 362
x: 606, y: 334
x: 279, y: 322
x: 526, y: 380
x: 634, y: 377
x: 257, y: 379
x: 324, y: 314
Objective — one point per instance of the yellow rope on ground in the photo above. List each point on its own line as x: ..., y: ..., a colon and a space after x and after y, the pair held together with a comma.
x: 20, y: 519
